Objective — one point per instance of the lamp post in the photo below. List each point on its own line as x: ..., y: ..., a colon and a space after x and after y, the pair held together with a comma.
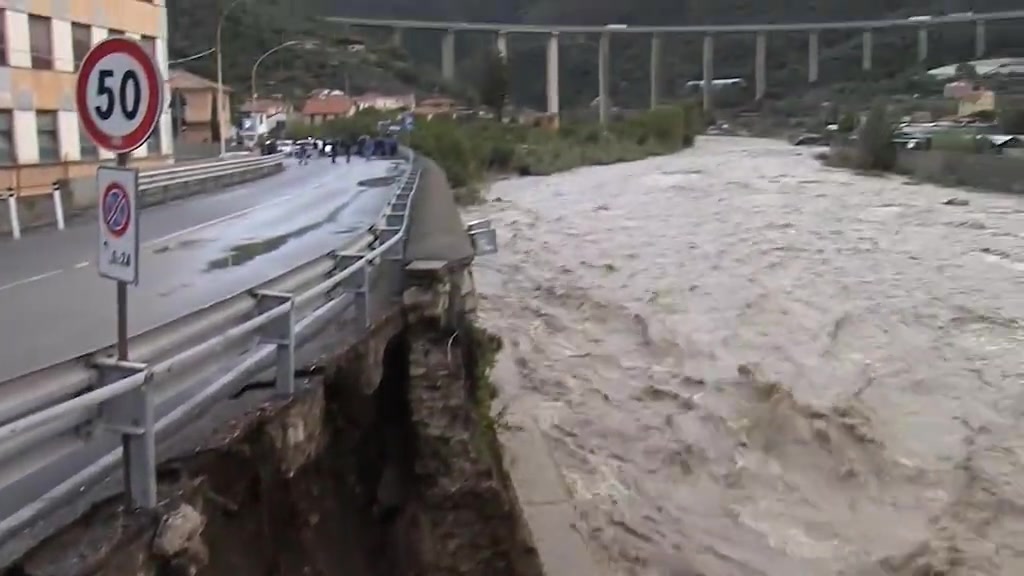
x: 304, y: 43
x: 220, y: 77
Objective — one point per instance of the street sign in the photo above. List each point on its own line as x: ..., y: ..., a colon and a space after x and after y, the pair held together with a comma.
x: 119, y: 94
x: 119, y: 223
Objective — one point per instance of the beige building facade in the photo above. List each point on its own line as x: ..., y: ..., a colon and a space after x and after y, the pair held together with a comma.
x: 42, y: 43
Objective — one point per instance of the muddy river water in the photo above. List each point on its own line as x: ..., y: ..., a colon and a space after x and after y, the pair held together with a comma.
x: 749, y: 364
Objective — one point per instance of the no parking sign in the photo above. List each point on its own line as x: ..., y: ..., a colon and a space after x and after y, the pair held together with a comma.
x: 118, y: 219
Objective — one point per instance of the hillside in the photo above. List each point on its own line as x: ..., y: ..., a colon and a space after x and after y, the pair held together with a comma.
x: 255, y: 25
x: 252, y: 27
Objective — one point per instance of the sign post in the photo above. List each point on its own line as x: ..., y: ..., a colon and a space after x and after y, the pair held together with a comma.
x: 119, y: 95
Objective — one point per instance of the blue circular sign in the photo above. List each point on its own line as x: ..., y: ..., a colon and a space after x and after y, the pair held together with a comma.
x: 117, y: 213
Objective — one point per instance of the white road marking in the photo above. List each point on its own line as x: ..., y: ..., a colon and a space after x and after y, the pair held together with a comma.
x: 216, y: 221
x: 188, y: 230
x: 32, y: 279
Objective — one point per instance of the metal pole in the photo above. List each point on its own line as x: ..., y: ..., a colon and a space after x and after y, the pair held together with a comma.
x: 12, y: 209
x: 58, y: 206
x: 220, y: 89
x: 122, y: 294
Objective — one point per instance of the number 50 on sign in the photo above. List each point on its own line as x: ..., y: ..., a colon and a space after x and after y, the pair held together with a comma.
x: 119, y: 94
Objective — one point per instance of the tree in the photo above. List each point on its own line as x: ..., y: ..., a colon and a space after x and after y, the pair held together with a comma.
x: 875, y: 148
x: 494, y: 84
x: 1011, y: 120
x: 847, y: 123
x: 967, y: 71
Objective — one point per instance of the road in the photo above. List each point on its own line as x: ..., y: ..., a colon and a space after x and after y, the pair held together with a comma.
x: 54, y: 306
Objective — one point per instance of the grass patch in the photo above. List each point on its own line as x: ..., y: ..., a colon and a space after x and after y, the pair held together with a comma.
x: 483, y: 349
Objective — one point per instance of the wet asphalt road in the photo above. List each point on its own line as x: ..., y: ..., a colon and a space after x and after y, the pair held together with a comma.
x: 54, y: 306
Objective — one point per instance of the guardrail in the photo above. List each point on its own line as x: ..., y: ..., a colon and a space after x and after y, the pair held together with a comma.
x: 155, y: 186
x: 83, y: 407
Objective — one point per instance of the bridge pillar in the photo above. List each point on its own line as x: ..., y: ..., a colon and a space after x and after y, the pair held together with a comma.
x: 813, y: 56
x: 396, y: 37
x: 655, y: 69
x: 448, y: 55
x: 979, y: 39
x: 869, y: 46
x: 922, y: 44
x: 553, y: 73
x: 503, y: 45
x: 603, y: 74
x: 761, y: 66
x: 709, y: 71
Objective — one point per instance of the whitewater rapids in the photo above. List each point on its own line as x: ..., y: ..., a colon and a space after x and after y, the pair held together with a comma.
x: 749, y: 364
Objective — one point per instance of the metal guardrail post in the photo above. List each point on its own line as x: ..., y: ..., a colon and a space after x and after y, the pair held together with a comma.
x: 58, y: 205
x: 281, y: 333
x: 131, y: 415
x: 357, y: 284
x: 12, y: 211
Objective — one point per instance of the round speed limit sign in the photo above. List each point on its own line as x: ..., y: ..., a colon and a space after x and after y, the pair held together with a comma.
x: 119, y: 94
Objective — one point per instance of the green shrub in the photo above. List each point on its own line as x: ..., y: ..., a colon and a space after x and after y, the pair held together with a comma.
x: 875, y: 148
x: 501, y: 157
x: 468, y: 149
x: 847, y: 123
x: 1011, y: 120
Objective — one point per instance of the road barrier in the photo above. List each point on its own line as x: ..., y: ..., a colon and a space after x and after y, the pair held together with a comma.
x: 63, y: 428
x: 155, y: 187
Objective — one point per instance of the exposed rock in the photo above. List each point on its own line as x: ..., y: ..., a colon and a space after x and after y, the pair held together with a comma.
x: 178, y: 530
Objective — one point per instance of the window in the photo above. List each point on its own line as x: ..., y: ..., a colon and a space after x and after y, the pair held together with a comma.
x: 86, y: 147
x: 6, y: 137
x: 40, y: 42
x: 81, y: 42
x: 49, y: 142
x: 3, y: 38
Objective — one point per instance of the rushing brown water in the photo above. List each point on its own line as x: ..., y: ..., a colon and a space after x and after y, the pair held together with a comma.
x: 750, y: 364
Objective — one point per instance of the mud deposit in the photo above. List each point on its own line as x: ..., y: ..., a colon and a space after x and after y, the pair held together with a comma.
x: 749, y: 364
x: 354, y: 478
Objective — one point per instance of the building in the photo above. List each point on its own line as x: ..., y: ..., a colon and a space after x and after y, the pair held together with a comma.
x: 385, y: 102
x: 325, y: 105
x: 261, y: 116
x: 41, y: 45
x: 437, y: 105
x: 197, y: 98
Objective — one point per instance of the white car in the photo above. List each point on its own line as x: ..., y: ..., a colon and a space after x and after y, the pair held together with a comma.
x: 285, y: 146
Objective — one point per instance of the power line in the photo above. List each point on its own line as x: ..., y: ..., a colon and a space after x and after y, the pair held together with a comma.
x: 193, y: 57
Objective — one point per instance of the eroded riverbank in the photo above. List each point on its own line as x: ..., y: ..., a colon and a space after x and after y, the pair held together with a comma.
x: 751, y: 364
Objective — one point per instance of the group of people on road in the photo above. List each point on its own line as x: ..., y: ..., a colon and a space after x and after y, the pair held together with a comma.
x: 366, y: 146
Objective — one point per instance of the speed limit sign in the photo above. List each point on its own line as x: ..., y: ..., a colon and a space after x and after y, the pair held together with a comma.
x: 119, y: 94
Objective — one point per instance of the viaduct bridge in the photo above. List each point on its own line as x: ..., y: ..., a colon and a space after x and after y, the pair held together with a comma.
x: 813, y: 29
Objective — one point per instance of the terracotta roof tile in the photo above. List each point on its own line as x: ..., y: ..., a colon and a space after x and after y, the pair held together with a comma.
x: 334, y: 104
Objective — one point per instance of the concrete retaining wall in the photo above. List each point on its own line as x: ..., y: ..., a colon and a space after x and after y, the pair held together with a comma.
x: 80, y: 197
x: 990, y: 172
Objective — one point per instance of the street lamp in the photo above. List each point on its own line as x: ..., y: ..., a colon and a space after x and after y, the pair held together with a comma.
x: 220, y: 77
x: 307, y: 44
